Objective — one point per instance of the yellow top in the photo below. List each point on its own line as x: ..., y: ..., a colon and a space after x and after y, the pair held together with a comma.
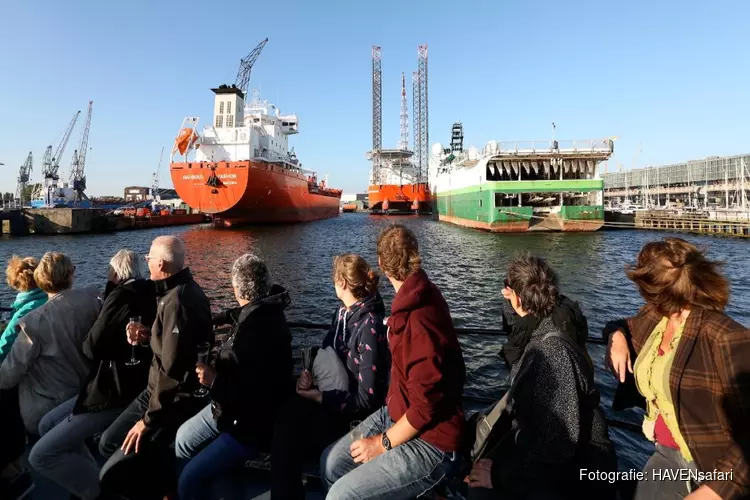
x: 652, y: 378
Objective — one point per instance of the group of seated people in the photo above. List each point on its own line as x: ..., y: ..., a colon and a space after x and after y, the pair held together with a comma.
x: 379, y: 403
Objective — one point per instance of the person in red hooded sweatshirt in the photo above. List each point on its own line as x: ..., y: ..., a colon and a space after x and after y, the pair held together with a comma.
x: 407, y: 447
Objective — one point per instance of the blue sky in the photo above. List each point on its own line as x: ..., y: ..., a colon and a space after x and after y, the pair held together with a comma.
x: 671, y: 76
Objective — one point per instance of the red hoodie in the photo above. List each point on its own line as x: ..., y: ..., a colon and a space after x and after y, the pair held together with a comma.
x: 427, y: 371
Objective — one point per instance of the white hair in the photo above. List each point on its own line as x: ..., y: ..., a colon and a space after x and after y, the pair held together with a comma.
x: 126, y: 264
x: 171, y: 250
x: 250, y: 277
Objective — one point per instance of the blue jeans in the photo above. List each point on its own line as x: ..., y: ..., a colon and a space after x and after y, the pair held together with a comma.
x: 195, y: 434
x: 62, y: 455
x: 405, y: 472
x: 210, y: 454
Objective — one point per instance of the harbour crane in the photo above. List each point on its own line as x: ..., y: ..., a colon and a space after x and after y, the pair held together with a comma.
x: 50, y: 162
x: 24, y: 173
x: 51, y: 165
x: 78, y: 162
x: 155, y: 182
x: 246, y: 65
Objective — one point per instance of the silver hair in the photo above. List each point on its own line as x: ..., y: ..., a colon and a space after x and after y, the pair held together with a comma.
x: 250, y: 277
x: 126, y: 264
x: 171, y: 250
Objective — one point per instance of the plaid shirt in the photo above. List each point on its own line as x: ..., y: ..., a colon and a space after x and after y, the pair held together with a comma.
x: 710, y: 386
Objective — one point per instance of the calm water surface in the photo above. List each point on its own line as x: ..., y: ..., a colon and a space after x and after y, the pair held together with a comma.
x: 467, y: 265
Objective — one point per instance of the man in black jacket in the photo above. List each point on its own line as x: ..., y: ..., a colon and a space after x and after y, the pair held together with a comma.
x: 137, y: 443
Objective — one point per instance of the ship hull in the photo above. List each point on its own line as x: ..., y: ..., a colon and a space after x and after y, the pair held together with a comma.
x: 395, y: 199
x: 477, y: 207
x: 251, y: 192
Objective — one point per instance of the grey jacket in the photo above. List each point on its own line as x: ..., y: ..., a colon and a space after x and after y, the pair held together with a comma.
x: 46, y: 361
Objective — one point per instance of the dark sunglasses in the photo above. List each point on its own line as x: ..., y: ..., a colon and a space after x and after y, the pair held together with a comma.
x: 506, y: 283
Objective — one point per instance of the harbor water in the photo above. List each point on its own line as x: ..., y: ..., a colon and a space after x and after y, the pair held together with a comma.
x: 467, y: 265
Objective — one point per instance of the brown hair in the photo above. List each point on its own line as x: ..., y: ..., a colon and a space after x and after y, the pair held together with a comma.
x: 357, y: 274
x: 54, y: 273
x: 20, y: 273
x: 535, y: 283
x: 674, y: 275
x: 398, y: 252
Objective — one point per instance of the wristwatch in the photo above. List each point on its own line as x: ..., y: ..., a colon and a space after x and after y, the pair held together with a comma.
x: 386, y: 442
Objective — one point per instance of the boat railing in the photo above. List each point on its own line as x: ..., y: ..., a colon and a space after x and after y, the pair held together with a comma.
x: 549, y: 145
x: 473, y: 398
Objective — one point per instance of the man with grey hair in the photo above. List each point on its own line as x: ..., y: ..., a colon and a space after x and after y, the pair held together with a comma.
x: 110, y: 387
x: 137, y: 443
x: 252, y: 376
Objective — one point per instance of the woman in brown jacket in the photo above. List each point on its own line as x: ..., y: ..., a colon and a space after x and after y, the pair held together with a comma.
x: 691, y: 364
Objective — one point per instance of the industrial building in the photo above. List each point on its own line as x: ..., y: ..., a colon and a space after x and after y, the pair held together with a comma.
x: 713, y: 182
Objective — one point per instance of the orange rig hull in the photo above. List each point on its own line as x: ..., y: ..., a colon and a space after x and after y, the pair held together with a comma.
x: 400, y: 199
x: 252, y: 192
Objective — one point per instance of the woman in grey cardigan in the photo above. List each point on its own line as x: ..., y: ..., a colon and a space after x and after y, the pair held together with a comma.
x: 46, y: 362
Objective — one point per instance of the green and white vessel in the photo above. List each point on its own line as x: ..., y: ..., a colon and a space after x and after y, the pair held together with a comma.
x: 519, y: 186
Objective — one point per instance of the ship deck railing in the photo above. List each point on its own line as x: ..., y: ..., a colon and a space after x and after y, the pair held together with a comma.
x: 463, y: 331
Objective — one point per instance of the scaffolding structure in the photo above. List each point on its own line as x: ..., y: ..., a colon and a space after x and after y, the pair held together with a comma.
x: 726, y: 179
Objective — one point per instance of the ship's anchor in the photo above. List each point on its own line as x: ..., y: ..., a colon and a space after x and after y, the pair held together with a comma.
x: 213, y: 179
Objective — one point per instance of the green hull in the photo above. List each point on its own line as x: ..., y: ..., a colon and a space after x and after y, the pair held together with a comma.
x: 475, y: 207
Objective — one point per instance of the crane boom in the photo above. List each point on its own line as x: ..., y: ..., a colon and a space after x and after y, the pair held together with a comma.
x: 246, y: 65
x: 24, y: 173
x: 155, y: 182
x: 54, y: 165
x: 78, y: 162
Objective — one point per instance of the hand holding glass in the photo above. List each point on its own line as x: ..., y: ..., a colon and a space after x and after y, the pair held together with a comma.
x: 132, y: 330
x: 356, y: 433
x: 204, y: 348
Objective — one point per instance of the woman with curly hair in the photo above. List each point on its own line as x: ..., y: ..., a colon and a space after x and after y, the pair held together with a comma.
x: 20, y: 277
x: 690, y: 363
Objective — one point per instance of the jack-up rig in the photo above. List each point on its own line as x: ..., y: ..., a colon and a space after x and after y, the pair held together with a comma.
x: 398, y: 178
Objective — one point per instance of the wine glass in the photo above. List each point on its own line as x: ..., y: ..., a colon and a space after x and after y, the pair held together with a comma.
x: 204, y: 348
x: 356, y: 433
x: 133, y: 360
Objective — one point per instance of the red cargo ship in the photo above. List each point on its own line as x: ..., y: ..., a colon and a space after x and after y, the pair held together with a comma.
x: 240, y: 168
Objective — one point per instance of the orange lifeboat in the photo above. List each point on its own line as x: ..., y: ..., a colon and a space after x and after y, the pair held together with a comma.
x: 186, y: 139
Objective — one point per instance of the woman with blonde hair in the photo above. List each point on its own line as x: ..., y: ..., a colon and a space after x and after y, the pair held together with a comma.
x: 20, y: 277
x: 690, y: 362
x: 350, y: 371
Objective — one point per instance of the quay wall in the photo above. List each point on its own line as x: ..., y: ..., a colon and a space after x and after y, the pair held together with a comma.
x: 65, y: 220
x: 661, y: 220
x: 12, y: 222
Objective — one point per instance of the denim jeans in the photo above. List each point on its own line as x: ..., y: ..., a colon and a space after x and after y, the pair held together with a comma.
x: 195, y: 434
x: 210, y: 454
x: 150, y: 472
x: 62, y: 455
x: 657, y: 486
x: 223, y: 455
x: 405, y: 472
